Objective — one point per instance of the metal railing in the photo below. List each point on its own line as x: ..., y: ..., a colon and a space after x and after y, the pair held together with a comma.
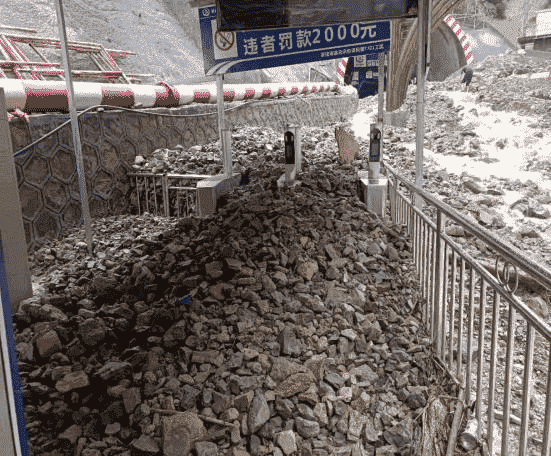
x: 170, y: 195
x: 488, y: 339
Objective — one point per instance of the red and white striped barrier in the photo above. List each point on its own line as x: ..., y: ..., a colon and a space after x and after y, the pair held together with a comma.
x: 43, y: 96
x: 341, y: 69
x: 461, y: 36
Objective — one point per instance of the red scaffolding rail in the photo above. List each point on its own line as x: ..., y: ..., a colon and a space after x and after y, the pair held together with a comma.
x: 15, y: 64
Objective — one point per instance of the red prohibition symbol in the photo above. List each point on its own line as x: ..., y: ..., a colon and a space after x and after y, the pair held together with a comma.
x: 224, y: 40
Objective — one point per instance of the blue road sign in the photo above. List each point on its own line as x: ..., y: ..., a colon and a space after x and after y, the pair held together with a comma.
x: 363, y: 71
x: 229, y: 52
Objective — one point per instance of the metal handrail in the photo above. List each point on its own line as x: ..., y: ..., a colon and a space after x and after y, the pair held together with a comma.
x: 456, y: 311
x: 528, y: 313
x: 164, y: 197
x: 513, y: 255
x: 171, y: 175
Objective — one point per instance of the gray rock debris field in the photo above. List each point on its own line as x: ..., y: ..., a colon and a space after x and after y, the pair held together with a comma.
x: 291, y: 316
x: 502, y: 84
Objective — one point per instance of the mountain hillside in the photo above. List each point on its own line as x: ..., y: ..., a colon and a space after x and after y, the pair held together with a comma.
x: 513, y: 10
x: 163, y: 33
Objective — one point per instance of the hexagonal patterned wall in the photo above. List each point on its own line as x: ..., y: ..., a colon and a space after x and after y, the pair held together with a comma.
x: 46, y: 172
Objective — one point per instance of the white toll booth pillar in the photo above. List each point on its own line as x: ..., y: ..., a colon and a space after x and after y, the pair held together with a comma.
x: 225, y: 134
x: 375, y: 188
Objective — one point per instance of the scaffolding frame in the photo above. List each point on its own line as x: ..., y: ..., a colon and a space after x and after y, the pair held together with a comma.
x: 15, y: 64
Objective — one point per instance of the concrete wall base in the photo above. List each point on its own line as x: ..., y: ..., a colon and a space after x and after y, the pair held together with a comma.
x: 46, y: 173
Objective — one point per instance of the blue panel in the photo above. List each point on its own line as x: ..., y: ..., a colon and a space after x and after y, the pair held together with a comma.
x: 13, y: 367
x: 366, y: 86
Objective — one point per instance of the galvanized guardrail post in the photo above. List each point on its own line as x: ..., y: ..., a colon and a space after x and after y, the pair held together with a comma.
x: 165, y: 194
x: 439, y: 274
x: 528, y: 368
x: 465, y: 315
x: 547, y: 422
x: 508, y: 380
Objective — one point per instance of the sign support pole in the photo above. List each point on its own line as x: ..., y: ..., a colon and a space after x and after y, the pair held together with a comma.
x: 420, y: 133
x: 74, y: 126
x: 381, y: 71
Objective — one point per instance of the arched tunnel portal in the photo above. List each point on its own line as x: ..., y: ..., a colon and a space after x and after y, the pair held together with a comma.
x: 450, y: 51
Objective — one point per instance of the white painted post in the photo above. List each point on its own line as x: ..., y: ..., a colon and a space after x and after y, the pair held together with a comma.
x: 74, y: 126
x: 381, y: 75
x: 228, y: 156
x: 225, y: 137
x: 18, y: 276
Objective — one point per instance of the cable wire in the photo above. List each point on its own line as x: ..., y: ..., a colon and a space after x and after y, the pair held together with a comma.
x: 24, y: 149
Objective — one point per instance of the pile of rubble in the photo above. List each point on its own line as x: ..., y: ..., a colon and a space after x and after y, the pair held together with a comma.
x: 252, y: 147
x: 289, y: 323
x: 509, y: 82
x: 524, y: 222
x: 446, y: 133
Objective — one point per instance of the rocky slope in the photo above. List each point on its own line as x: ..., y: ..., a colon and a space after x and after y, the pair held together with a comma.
x: 164, y: 34
x: 487, y: 152
x: 288, y: 324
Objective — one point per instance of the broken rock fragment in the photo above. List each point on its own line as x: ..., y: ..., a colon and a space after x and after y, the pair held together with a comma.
x: 180, y: 433
x: 259, y: 412
x: 296, y: 383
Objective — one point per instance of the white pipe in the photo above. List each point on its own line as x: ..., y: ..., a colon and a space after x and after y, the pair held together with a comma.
x: 32, y: 95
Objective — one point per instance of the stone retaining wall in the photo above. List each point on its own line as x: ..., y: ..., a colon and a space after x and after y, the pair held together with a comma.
x: 46, y: 173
